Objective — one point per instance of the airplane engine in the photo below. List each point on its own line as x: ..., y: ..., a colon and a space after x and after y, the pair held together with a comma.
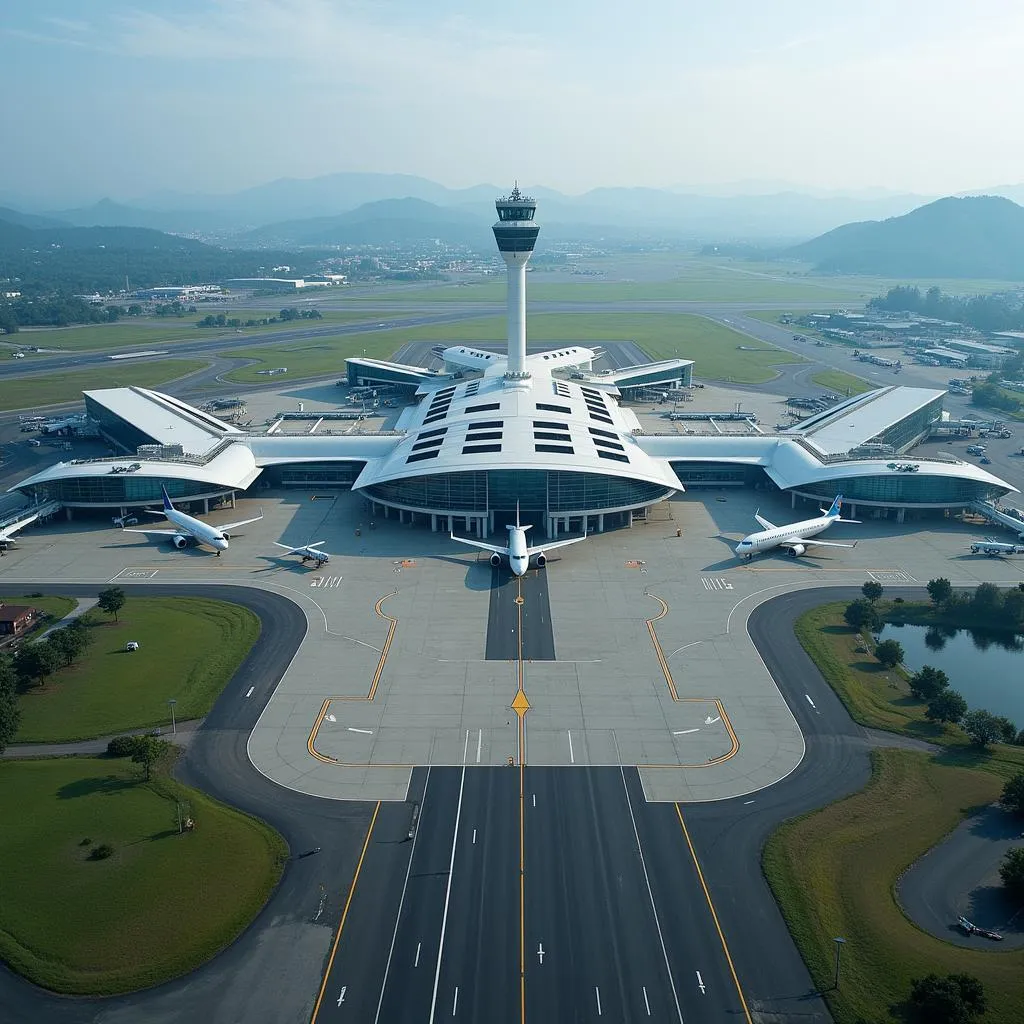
x: 180, y: 541
x: 538, y: 561
x: 495, y: 560
x: 797, y: 549
x: 227, y: 536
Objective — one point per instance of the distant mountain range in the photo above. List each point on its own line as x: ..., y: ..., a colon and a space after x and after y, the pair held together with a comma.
x: 972, y: 236
x: 703, y: 214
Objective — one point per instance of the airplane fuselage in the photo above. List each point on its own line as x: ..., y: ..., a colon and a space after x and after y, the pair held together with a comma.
x: 199, y: 531
x: 765, y: 540
x: 518, y: 558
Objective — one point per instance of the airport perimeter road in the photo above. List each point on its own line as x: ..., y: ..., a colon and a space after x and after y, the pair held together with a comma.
x: 543, y: 894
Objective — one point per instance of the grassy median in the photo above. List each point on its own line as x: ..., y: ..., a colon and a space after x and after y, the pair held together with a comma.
x: 188, y: 650
x: 160, y: 905
x: 834, y: 871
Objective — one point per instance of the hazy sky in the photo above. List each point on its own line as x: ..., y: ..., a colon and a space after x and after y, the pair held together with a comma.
x: 121, y: 99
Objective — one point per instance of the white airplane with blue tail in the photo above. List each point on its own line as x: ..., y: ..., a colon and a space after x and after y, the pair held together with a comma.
x: 795, y: 538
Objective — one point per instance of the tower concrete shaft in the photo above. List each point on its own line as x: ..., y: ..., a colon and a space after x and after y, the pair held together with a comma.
x: 516, y: 235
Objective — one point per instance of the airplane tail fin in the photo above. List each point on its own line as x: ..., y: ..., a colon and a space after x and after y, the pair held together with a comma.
x: 836, y: 507
x: 518, y: 525
x: 167, y: 501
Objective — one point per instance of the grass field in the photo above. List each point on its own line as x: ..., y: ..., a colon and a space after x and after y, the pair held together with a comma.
x: 57, y: 607
x: 715, y: 348
x: 834, y: 871
x: 842, y: 383
x: 68, y: 385
x: 162, y: 904
x: 189, y: 649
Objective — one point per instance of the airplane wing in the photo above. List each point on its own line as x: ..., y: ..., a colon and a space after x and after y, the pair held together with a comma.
x: 301, y: 547
x: 8, y: 531
x: 791, y: 542
x: 764, y: 522
x: 159, y: 533
x: 554, y: 544
x: 480, y: 544
x: 224, y: 527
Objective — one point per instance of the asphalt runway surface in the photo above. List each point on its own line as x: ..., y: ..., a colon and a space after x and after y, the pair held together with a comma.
x: 519, y: 617
x: 493, y: 892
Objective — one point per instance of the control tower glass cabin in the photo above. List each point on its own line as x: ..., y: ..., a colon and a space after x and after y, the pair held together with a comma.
x: 516, y: 235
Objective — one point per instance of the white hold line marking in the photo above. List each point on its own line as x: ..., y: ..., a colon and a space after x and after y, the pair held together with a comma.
x: 341, y: 998
x: 700, y: 983
x: 416, y: 962
x: 684, y: 732
x: 455, y: 1001
x: 365, y: 732
x: 572, y: 757
x: 479, y: 743
x: 597, y: 992
x: 251, y: 688
x: 540, y: 952
x: 448, y: 893
x: 809, y: 701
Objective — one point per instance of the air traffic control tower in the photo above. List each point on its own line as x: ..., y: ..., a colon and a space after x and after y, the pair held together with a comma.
x: 516, y: 235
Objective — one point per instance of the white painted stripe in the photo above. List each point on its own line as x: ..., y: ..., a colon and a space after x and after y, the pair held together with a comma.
x: 685, y: 732
x: 479, y: 743
x: 251, y: 688
x: 365, y: 732
x: 448, y: 893
x: 455, y: 1002
x: 465, y: 748
x: 647, y: 1005
x: 809, y: 701
x: 401, y: 903
x: 597, y: 992
x: 474, y: 837
x: 572, y: 756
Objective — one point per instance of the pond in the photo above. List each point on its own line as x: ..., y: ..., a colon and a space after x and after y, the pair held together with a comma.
x: 987, y: 668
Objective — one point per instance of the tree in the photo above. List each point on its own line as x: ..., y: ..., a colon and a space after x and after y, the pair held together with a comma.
x: 112, y: 600
x: 955, y: 999
x: 36, y: 661
x: 861, y: 614
x: 69, y: 643
x: 1007, y: 730
x: 889, y: 653
x: 940, y: 590
x: 150, y: 753
x: 928, y: 683
x: 946, y: 706
x: 10, y: 713
x: 1012, y: 798
x: 983, y: 727
x: 872, y: 590
x: 1011, y: 871
x: 988, y: 598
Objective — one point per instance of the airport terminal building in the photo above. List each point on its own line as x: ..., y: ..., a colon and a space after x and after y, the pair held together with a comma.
x: 494, y: 429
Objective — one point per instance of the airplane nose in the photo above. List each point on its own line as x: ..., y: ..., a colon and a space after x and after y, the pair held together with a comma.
x: 220, y: 544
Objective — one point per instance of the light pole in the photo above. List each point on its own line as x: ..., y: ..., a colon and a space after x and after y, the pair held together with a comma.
x: 839, y: 949
x: 174, y: 729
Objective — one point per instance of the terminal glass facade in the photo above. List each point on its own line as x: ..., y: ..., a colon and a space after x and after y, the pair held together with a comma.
x: 122, y: 489
x: 313, y: 474
x: 906, y: 431
x: 536, y: 490
x: 905, y: 489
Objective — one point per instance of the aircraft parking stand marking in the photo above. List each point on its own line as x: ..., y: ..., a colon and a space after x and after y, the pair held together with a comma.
x: 134, y: 574
x: 326, y: 582
x: 716, y: 583
x: 891, y: 576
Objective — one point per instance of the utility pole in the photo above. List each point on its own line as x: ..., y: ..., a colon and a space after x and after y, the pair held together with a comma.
x: 839, y: 949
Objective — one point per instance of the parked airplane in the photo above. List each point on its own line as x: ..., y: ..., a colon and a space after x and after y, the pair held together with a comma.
x: 518, y: 556
x: 995, y: 548
x: 191, y: 529
x: 796, y: 537
x: 7, y: 533
x: 309, y: 552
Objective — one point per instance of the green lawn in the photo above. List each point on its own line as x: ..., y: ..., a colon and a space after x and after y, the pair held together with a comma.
x: 67, y: 386
x: 715, y: 348
x: 55, y: 607
x: 834, y: 871
x: 161, y: 905
x: 189, y: 649
x: 842, y: 383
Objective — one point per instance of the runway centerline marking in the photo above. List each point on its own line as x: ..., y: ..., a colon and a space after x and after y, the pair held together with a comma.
x: 344, y: 913
x: 249, y: 693
x: 714, y: 915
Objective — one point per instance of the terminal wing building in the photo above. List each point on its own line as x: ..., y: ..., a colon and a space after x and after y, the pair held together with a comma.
x: 541, y: 430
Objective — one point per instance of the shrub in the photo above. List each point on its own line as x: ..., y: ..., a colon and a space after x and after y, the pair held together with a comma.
x: 889, y: 653
x: 928, y: 683
x: 125, y: 746
x: 862, y: 613
x: 101, y: 852
x: 1011, y: 871
x: 1012, y: 798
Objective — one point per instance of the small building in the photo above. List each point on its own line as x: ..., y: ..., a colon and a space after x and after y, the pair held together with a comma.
x: 16, y: 619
